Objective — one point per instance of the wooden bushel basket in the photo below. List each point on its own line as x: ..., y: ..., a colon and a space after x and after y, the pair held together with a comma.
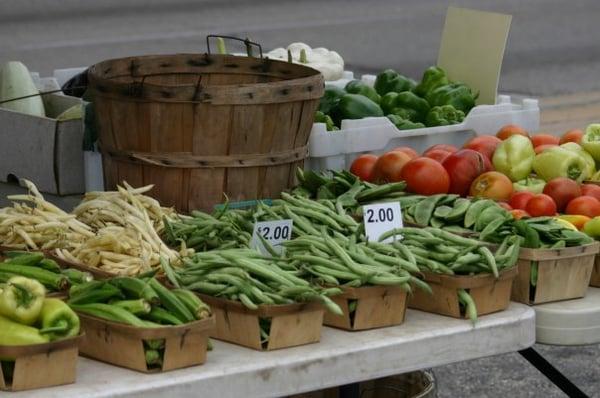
x: 595, y: 279
x: 123, y: 345
x: 41, y: 365
x: 376, y: 306
x: 291, y: 324
x: 201, y: 125
x: 563, y: 274
x: 490, y: 294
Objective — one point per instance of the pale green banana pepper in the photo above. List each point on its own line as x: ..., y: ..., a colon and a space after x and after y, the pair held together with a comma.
x: 560, y: 162
x: 573, y: 146
x: 514, y: 157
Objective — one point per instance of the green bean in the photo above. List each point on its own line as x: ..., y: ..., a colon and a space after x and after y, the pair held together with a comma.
x: 247, y: 302
x: 489, y: 258
x: 343, y: 256
x: 470, y: 308
x: 459, y: 240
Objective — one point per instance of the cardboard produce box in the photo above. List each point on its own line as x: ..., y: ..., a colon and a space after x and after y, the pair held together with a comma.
x: 42, y: 149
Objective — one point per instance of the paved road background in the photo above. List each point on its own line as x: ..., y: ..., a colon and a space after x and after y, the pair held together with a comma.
x: 553, y: 45
x: 553, y: 49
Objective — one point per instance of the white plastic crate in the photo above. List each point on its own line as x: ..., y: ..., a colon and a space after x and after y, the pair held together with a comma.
x: 335, y: 150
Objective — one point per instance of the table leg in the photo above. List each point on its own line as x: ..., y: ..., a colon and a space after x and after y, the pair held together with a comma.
x: 553, y: 374
x: 349, y: 391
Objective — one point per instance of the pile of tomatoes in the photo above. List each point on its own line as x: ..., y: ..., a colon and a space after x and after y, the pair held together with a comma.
x: 440, y: 169
x: 468, y: 171
x: 561, y: 195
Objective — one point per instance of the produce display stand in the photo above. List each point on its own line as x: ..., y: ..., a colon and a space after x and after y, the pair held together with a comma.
x: 233, y: 371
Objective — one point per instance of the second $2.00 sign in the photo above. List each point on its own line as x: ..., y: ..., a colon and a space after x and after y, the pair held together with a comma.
x: 380, y: 218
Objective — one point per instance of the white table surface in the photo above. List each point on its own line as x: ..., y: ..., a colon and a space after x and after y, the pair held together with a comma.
x: 423, y: 341
x: 570, y: 322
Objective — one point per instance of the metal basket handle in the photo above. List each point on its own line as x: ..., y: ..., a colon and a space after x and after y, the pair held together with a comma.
x: 247, y: 42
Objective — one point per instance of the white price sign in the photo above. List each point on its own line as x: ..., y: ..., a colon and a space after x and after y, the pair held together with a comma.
x: 275, y: 232
x: 380, y: 218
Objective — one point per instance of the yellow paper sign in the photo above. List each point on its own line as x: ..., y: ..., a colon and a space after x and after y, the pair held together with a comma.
x: 472, y: 49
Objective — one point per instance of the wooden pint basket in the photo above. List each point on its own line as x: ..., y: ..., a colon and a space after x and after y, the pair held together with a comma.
x: 201, y: 125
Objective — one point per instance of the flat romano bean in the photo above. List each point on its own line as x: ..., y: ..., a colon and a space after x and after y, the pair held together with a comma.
x: 425, y: 208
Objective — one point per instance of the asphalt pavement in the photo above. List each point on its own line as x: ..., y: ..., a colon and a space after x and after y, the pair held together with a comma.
x: 553, y: 49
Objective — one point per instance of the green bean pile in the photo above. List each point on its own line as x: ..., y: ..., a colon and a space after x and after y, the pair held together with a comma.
x: 247, y: 276
x: 441, y: 251
x: 341, y: 261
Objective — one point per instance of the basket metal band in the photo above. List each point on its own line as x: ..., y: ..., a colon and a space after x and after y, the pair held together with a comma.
x: 187, y: 160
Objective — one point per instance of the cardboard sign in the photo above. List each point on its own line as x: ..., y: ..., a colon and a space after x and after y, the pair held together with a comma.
x: 275, y: 232
x: 380, y: 218
x: 472, y: 49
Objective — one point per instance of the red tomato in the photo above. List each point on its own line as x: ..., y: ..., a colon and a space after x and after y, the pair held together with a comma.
x: 518, y: 214
x: 492, y: 185
x: 463, y: 167
x: 585, y: 206
x: 362, y: 167
x: 572, y: 136
x: 519, y: 200
x: 484, y: 144
x: 591, y: 190
x: 511, y: 129
x: 445, y: 147
x: 544, y: 139
x: 505, y: 205
x: 541, y: 205
x: 388, y: 167
x: 562, y: 190
x: 407, y: 150
x: 541, y: 148
x: 438, y: 155
x: 487, y: 164
x: 425, y: 176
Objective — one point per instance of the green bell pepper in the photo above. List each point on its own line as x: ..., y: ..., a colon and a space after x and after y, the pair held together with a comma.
x: 406, y: 105
x: 514, y: 157
x: 530, y: 184
x: 573, y: 146
x: 22, y: 300
x: 404, y: 124
x: 591, y: 141
x: 320, y: 117
x: 560, y: 162
x: 391, y: 81
x: 433, y: 77
x: 443, y: 116
x: 355, y: 106
x: 14, y: 333
x: 456, y: 94
x: 58, y: 320
x: 330, y: 99
x: 358, y: 87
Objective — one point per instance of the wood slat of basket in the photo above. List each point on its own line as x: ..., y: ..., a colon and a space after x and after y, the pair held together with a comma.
x: 595, y: 278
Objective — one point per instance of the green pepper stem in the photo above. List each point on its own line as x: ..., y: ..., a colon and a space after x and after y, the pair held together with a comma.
x: 62, y: 326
